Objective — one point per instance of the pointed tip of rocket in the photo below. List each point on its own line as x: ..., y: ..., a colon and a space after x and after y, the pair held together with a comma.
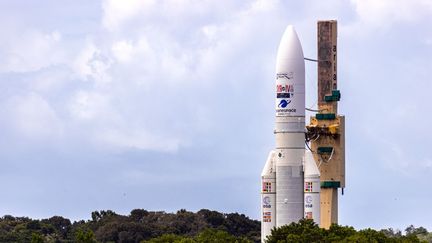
x: 290, y: 46
x: 290, y: 28
x: 290, y: 33
x: 268, y: 167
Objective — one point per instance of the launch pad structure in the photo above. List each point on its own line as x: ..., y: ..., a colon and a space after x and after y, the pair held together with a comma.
x: 326, y: 130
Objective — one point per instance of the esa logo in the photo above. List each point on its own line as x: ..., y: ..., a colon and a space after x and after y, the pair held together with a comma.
x: 266, y: 202
x: 308, y: 202
x: 284, y: 103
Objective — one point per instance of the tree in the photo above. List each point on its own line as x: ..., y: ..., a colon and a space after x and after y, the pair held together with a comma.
x: 214, y: 218
x: 138, y: 214
x: 337, y: 232
x: 304, y: 231
x: 307, y: 231
x: 426, y: 237
x: 369, y: 235
x: 205, y: 226
x: 411, y: 230
x: 206, y: 236
x: 61, y: 225
x: 85, y: 236
x: 37, y: 238
x: 170, y: 238
x: 216, y: 236
x: 95, y: 215
x: 390, y: 232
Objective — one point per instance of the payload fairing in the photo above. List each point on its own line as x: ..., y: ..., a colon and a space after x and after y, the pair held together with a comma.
x: 283, y: 177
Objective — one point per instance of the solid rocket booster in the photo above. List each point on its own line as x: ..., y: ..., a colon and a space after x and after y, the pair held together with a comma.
x: 283, y: 177
x: 312, y: 188
x: 268, y: 196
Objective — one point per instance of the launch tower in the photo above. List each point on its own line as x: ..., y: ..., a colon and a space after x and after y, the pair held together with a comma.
x: 326, y: 131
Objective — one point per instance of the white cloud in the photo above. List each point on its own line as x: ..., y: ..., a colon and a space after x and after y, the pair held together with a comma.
x: 386, y: 12
x: 172, y: 39
x: 396, y: 155
x: 264, y: 5
x: 30, y: 50
x: 138, y: 139
x: 92, y: 64
x: 32, y: 117
x: 116, y: 12
x: 123, y: 50
x: 90, y: 106
x: 50, y: 80
x: 428, y: 163
x: 95, y: 115
x: 179, y: 66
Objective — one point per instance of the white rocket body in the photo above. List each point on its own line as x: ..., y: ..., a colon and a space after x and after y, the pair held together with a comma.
x: 283, y: 171
x: 312, y: 188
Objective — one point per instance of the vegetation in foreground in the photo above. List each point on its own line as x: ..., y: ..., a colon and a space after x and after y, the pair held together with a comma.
x: 139, y: 226
x: 186, y: 227
x: 307, y: 231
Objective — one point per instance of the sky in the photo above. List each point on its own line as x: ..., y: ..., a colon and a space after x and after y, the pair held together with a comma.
x: 169, y: 104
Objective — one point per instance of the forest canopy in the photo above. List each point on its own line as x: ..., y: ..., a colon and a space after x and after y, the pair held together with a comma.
x: 142, y: 226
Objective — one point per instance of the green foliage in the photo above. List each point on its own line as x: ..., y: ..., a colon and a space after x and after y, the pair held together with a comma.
x: 421, y: 233
x: 215, y: 236
x: 170, y: 238
x: 390, y: 232
x: 337, y: 233
x: 140, y: 225
x: 369, y: 235
x: 37, y: 238
x: 411, y: 230
x: 204, y: 226
x: 307, y: 231
x: 85, y: 237
x: 206, y: 236
x: 303, y: 231
x: 425, y: 237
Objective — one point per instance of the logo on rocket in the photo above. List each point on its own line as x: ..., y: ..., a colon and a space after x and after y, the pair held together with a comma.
x: 308, y: 199
x: 266, y: 200
x: 284, y: 103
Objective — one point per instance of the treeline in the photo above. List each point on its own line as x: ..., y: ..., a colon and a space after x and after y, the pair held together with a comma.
x: 139, y: 226
x: 142, y: 226
x: 307, y: 231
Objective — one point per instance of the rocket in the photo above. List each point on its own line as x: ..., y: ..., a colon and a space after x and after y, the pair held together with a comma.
x: 284, y: 188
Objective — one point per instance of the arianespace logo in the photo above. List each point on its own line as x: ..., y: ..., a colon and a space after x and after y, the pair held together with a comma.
x: 266, y: 202
x: 284, y: 103
x: 284, y: 96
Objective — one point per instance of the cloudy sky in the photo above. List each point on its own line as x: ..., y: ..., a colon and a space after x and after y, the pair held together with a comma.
x: 169, y: 104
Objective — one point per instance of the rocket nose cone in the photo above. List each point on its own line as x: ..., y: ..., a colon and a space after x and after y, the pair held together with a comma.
x: 290, y: 29
x: 290, y: 76
x: 289, y: 47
